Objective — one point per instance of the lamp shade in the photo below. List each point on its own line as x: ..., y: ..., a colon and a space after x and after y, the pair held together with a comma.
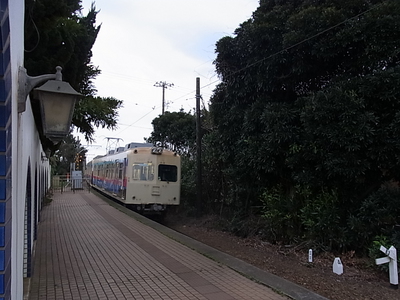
x: 57, y: 102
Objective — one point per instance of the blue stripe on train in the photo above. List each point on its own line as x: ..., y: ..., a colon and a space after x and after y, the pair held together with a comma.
x: 112, y: 186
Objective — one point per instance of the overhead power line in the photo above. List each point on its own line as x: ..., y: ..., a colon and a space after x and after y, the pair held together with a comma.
x: 298, y: 43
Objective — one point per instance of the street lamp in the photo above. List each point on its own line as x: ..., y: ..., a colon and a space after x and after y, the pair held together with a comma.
x: 57, y: 101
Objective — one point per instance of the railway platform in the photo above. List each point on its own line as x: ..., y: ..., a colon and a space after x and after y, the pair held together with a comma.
x: 89, y: 247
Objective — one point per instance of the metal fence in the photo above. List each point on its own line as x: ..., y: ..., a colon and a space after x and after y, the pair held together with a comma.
x: 63, y: 183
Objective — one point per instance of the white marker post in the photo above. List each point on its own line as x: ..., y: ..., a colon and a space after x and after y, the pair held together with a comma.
x: 391, y: 258
x: 337, y: 266
x: 310, y: 256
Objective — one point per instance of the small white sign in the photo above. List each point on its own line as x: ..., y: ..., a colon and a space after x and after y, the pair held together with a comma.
x: 76, y: 177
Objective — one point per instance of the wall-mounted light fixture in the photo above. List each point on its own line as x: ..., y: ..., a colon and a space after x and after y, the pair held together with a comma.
x: 57, y: 101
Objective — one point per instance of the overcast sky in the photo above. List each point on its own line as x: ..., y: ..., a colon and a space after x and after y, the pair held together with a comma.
x: 142, y: 42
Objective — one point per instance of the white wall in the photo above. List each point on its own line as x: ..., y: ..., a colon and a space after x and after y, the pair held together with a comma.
x: 16, y: 10
x: 26, y: 148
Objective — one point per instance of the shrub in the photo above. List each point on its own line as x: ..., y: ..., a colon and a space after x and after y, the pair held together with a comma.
x: 321, y: 220
x: 281, y: 213
x: 379, y: 215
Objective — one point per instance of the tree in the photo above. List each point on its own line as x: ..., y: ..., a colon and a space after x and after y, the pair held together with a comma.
x: 308, y: 105
x: 56, y: 33
x: 70, y: 151
x: 175, y: 131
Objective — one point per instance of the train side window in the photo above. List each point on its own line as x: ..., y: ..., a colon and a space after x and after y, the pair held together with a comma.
x: 120, y: 170
x: 150, y: 172
x: 167, y: 173
x: 143, y: 171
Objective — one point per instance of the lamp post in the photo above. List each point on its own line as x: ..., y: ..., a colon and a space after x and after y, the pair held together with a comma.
x: 57, y: 101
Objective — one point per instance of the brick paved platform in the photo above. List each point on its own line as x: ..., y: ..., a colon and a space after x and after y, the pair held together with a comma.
x: 88, y: 249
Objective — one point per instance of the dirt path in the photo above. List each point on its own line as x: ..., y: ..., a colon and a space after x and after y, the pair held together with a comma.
x: 357, y: 282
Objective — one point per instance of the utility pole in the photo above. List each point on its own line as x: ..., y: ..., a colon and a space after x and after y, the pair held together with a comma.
x: 164, y: 85
x: 198, y: 148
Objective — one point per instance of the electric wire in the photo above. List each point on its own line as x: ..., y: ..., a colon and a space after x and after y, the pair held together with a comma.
x: 262, y: 60
x: 128, y: 126
x: 298, y: 43
x: 37, y: 32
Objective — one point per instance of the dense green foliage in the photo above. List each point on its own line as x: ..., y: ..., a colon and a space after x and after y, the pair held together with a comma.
x: 57, y: 34
x: 303, y: 132
x: 306, y: 120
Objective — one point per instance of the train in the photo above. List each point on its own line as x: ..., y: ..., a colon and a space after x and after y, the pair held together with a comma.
x: 142, y: 177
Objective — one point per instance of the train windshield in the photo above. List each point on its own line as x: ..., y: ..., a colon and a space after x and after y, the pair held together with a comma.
x: 167, y: 173
x: 143, y: 171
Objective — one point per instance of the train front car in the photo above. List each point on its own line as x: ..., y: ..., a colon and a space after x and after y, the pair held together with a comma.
x: 153, y: 180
